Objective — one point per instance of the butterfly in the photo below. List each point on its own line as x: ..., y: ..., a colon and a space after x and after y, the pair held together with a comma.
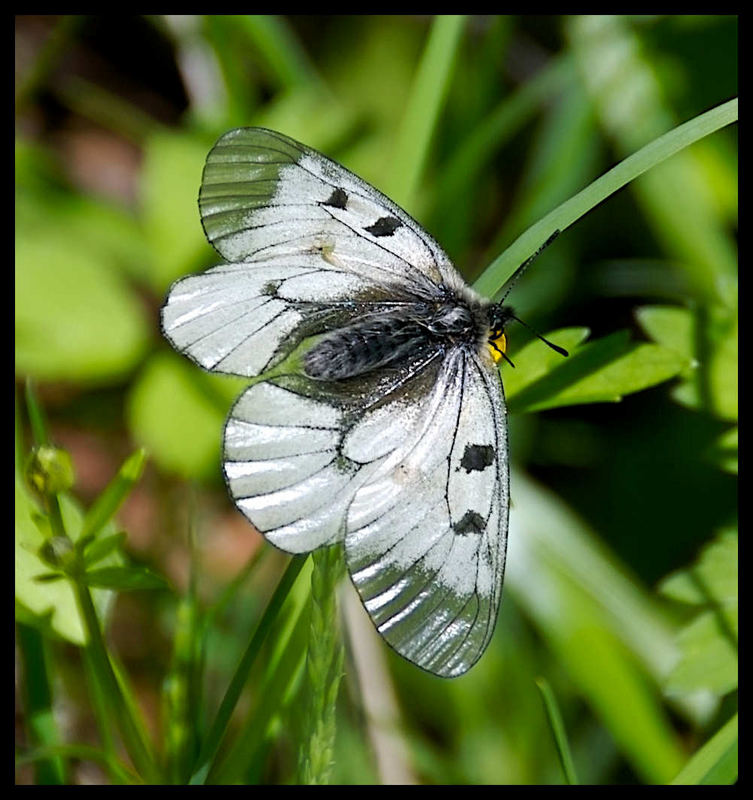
x: 375, y: 415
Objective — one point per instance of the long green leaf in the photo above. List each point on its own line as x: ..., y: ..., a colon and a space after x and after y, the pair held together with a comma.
x: 606, y: 629
x: 627, y: 170
x: 113, y: 495
x: 420, y: 119
x: 124, y: 578
x: 558, y: 731
x: 715, y: 763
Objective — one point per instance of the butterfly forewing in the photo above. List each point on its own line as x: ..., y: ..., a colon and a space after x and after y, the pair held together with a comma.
x: 265, y: 194
x: 404, y: 458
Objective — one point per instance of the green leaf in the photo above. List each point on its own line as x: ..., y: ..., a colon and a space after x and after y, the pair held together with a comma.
x: 670, y: 326
x: 715, y: 764
x: 178, y: 422
x: 107, y: 231
x: 171, y: 178
x: 603, y: 626
x: 708, y: 644
x: 76, y: 318
x: 644, y: 365
x: 714, y: 577
x: 123, y: 578
x: 597, y: 372
x: 101, y: 548
x: 724, y: 451
x: 708, y: 339
x: 724, y: 372
x: 49, y: 577
x: 535, y: 359
x: 708, y: 658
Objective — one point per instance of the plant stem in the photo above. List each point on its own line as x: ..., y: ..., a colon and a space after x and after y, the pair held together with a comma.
x: 137, y: 748
x: 324, y: 663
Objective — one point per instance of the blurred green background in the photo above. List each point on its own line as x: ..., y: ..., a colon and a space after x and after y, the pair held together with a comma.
x: 114, y: 118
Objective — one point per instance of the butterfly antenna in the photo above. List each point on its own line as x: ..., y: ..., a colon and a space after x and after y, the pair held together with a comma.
x: 513, y: 279
x: 555, y: 347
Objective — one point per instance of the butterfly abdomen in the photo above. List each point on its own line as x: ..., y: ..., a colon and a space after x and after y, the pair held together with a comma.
x: 363, y: 347
x: 388, y: 339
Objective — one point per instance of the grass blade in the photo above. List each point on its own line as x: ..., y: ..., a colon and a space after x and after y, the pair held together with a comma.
x: 113, y: 495
x: 279, y: 48
x: 122, y: 711
x: 217, y: 732
x: 715, y: 763
x: 277, y: 690
x: 558, y: 731
x: 36, y: 417
x: 82, y: 752
x: 426, y: 99
x: 627, y: 170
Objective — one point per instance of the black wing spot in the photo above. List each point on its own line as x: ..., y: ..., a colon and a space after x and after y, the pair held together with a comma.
x: 270, y: 289
x: 384, y: 226
x: 472, y: 522
x: 477, y: 457
x: 338, y: 199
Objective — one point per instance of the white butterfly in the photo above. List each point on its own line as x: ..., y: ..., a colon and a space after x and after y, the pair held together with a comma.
x: 378, y: 419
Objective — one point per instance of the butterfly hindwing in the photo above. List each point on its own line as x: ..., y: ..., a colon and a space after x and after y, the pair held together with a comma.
x: 426, y: 533
x: 296, y: 450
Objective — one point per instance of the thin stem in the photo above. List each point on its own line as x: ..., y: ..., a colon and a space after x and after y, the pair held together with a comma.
x: 136, y: 747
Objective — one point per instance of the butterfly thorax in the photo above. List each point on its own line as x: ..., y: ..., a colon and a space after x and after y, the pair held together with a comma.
x: 389, y: 338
